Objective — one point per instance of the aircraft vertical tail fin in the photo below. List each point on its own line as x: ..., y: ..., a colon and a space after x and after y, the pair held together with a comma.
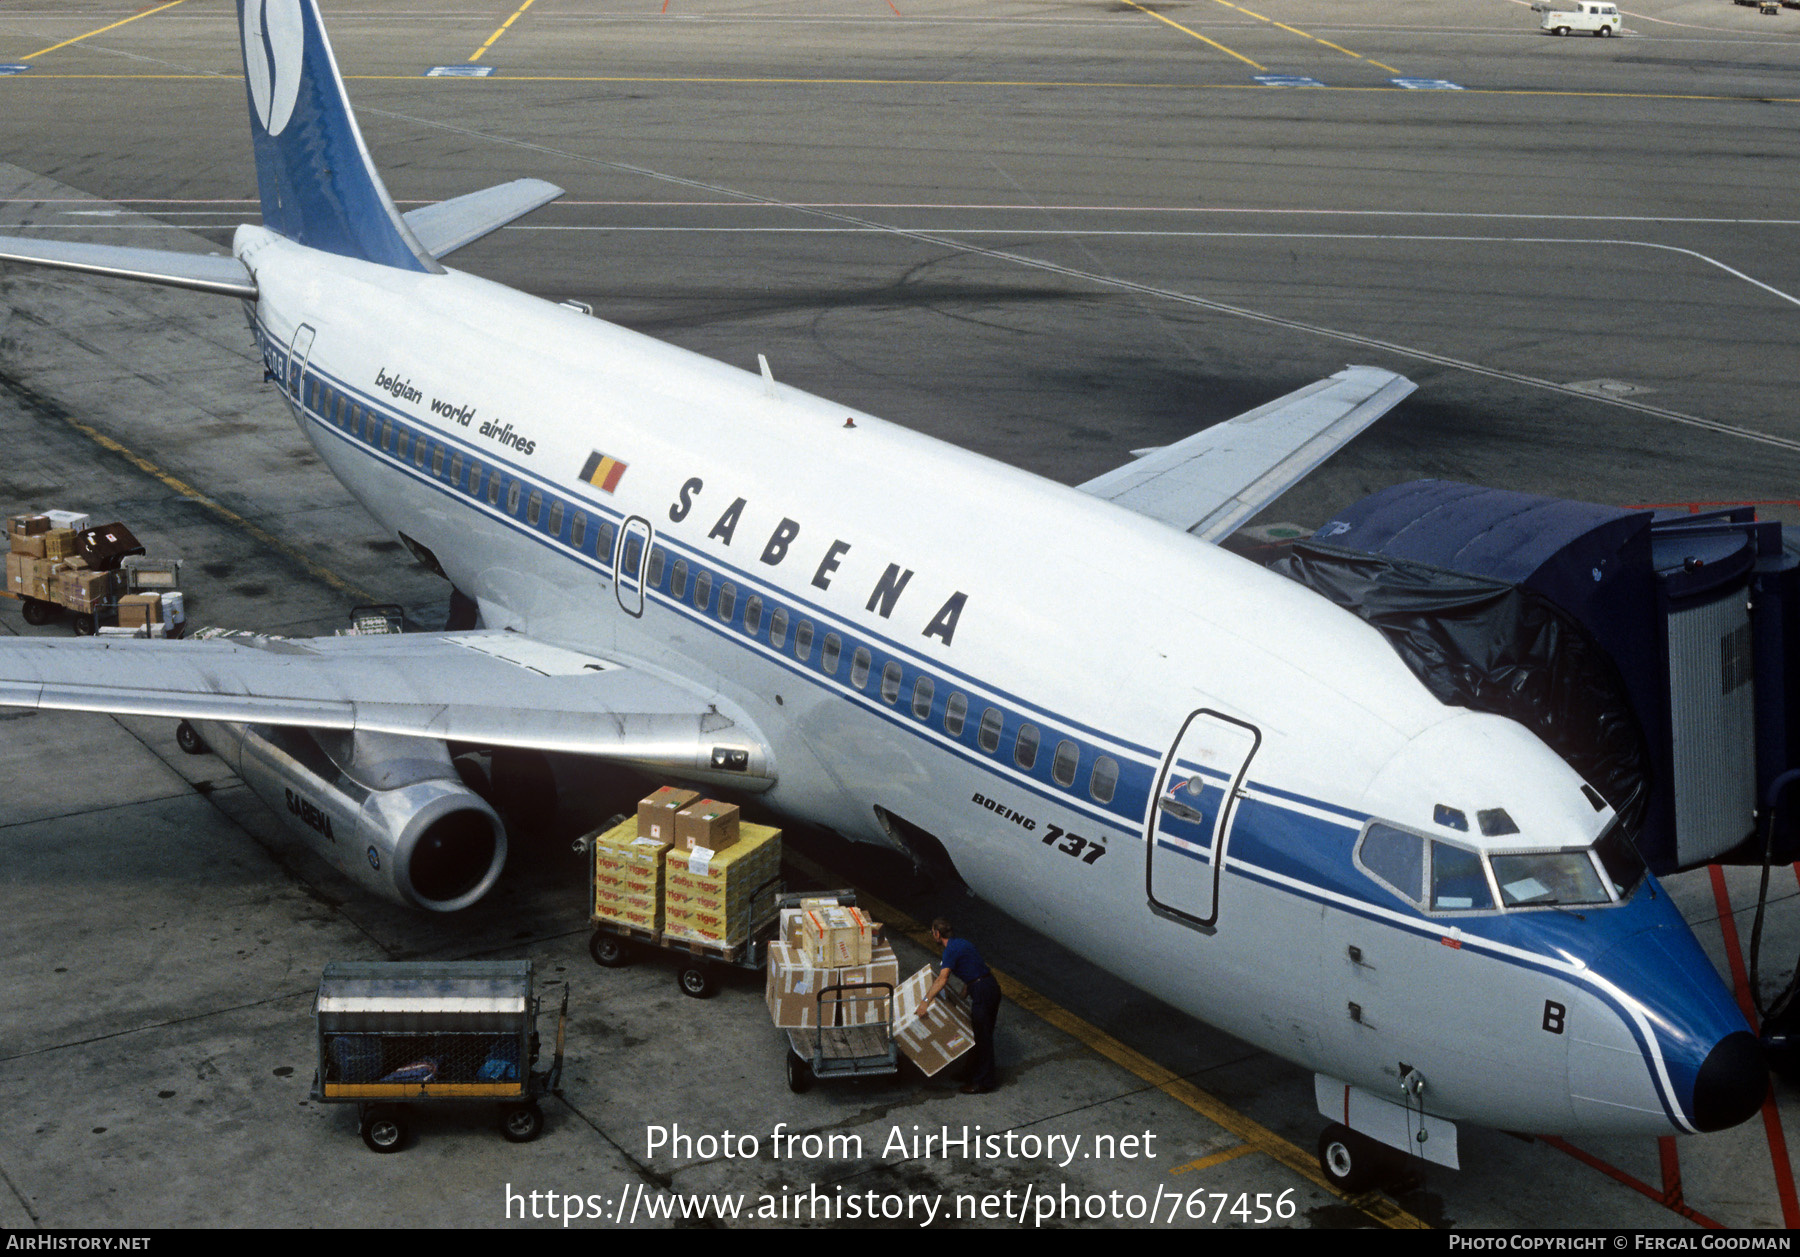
x: 319, y: 186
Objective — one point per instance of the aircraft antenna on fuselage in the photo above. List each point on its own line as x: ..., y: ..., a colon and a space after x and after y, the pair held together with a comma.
x: 318, y: 185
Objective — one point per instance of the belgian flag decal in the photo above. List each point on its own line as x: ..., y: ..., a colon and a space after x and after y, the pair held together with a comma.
x: 602, y: 471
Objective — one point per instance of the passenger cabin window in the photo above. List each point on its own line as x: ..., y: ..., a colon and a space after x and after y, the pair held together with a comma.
x: 658, y: 557
x: 474, y: 478
x: 1025, y: 747
x: 859, y: 667
x: 956, y: 713
x: 534, y: 508
x: 633, y: 559
x: 556, y: 516
x: 1104, y: 781
x: 437, y: 460
x: 678, y: 579
x: 828, y: 654
x: 753, y: 615
x: 702, y: 589
x: 727, y: 601
x: 923, y: 689
x: 1068, y: 759
x: 512, y: 498
x: 420, y: 448
x: 778, y: 623
x: 578, y: 530
x: 988, y: 736
x: 603, y: 541
x: 803, y: 640
x: 891, y: 675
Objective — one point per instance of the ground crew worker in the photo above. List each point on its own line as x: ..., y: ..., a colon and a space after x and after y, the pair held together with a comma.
x: 961, y: 958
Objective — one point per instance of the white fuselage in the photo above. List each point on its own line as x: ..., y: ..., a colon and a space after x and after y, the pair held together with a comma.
x: 973, y: 584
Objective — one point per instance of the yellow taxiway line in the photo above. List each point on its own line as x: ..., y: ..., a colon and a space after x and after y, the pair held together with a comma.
x: 496, y: 35
x: 123, y: 21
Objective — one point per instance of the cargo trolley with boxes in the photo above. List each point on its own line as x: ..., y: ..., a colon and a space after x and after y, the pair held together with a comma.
x: 392, y: 1035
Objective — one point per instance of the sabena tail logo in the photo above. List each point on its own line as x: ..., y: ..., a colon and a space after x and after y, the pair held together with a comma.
x: 274, y: 45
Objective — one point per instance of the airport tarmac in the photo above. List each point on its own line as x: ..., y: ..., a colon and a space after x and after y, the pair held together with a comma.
x: 1048, y: 232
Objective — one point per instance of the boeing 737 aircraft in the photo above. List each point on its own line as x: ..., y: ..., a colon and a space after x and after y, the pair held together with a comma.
x: 1199, y: 774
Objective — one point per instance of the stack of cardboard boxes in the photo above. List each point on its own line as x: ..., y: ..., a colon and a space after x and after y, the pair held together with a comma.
x: 687, y: 868
x: 59, y: 557
x: 823, y: 971
x: 44, y: 561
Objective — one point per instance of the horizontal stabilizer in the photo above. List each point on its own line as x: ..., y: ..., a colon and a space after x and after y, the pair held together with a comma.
x: 1211, y: 482
x: 225, y: 276
x: 449, y: 225
x: 484, y: 688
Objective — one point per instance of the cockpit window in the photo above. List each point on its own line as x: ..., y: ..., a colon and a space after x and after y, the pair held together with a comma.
x: 1548, y: 877
x: 1495, y: 823
x: 1624, y: 867
x: 1450, y: 817
x: 1458, y: 882
x: 1396, y: 857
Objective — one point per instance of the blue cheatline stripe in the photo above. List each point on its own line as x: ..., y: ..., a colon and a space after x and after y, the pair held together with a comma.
x: 1349, y: 896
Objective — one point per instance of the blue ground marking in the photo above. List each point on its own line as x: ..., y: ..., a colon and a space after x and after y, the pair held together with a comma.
x: 1427, y: 85
x: 459, y: 71
x: 1286, y: 80
x: 13, y: 69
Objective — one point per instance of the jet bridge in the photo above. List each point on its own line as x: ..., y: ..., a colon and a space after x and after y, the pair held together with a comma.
x: 1650, y: 648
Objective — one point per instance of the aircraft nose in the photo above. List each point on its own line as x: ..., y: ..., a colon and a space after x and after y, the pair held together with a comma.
x: 1732, y: 1082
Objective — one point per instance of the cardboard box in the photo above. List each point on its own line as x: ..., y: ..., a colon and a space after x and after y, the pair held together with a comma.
x: 939, y: 1037
x: 27, y: 525
x: 59, y: 543
x: 720, y: 897
x: 43, y: 578
x: 628, y: 875
x: 656, y: 813
x: 838, y: 936
x: 18, y: 581
x: 866, y: 1007
x: 33, y: 545
x: 81, y: 590
x: 792, y: 989
x: 140, y: 610
x: 707, y: 824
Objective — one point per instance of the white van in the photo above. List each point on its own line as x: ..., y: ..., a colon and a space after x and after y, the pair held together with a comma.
x: 1586, y: 15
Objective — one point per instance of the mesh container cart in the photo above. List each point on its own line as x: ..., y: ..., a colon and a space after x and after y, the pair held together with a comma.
x: 396, y: 1034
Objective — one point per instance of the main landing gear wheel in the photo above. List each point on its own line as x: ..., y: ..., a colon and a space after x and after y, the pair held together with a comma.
x: 1352, y: 1162
x: 608, y: 950
x: 36, y: 612
x: 697, y: 981
x: 384, y: 1128
x: 85, y: 624
x: 800, y: 1077
x: 188, y: 739
x: 522, y: 1123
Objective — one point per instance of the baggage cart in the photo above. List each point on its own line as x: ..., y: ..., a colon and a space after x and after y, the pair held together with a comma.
x: 834, y: 1052
x: 615, y: 943
x: 392, y: 1035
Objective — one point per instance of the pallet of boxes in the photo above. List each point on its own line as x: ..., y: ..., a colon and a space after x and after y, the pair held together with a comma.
x: 59, y: 562
x: 834, y: 986
x: 686, y: 875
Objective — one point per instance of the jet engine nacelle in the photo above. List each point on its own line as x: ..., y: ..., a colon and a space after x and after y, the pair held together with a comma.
x: 388, y: 812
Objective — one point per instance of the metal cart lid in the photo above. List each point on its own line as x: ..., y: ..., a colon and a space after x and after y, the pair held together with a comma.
x: 475, y: 986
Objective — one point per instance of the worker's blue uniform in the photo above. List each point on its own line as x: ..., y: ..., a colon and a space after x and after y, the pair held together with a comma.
x: 961, y: 959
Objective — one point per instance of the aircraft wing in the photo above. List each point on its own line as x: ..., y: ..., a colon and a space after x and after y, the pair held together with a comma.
x: 1213, y: 481
x: 486, y: 688
x: 201, y: 272
x: 449, y: 225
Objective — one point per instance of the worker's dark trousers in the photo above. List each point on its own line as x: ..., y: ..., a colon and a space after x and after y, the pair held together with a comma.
x: 984, y: 1010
